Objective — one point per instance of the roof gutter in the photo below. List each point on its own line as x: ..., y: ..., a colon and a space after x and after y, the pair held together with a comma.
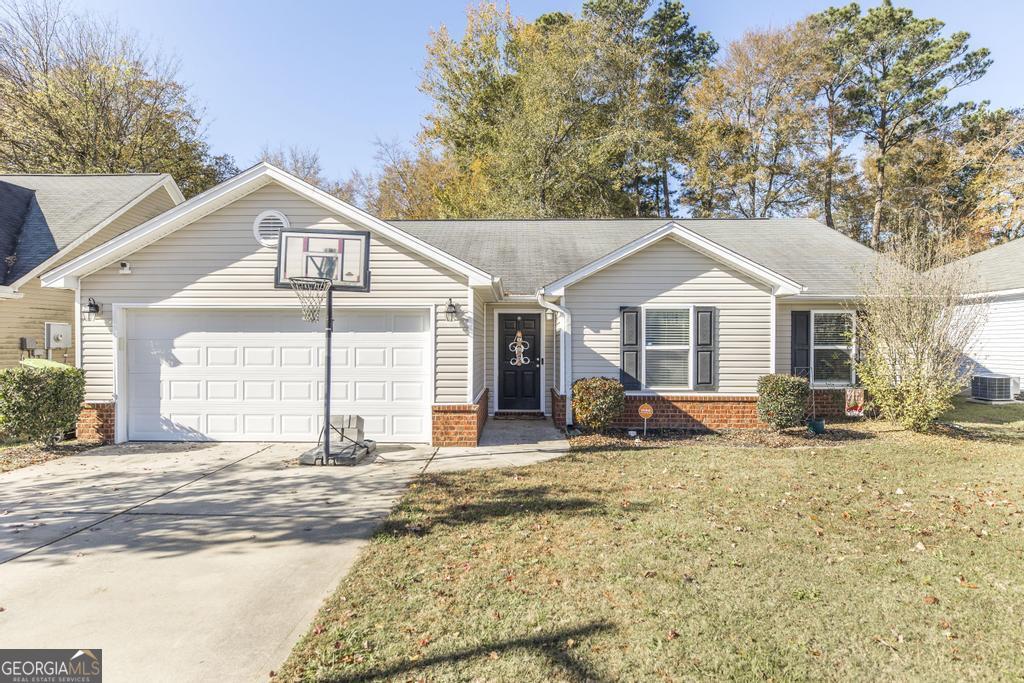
x: 565, y: 358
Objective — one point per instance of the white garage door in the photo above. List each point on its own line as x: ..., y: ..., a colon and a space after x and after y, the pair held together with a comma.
x: 258, y: 375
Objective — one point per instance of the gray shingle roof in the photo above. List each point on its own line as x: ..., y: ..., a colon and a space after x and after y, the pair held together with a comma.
x: 42, y: 214
x: 528, y: 254
x: 998, y: 268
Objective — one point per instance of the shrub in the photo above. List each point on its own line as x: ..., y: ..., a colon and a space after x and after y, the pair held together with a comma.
x: 782, y: 400
x: 40, y: 404
x: 913, y: 399
x: 596, y: 401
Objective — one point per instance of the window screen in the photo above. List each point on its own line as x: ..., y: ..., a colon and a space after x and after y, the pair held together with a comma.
x: 832, y: 355
x: 667, y: 348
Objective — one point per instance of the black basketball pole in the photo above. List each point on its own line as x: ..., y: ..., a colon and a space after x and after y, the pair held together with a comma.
x: 328, y: 329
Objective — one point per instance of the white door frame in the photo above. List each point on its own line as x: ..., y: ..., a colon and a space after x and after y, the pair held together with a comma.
x: 119, y: 330
x: 497, y: 354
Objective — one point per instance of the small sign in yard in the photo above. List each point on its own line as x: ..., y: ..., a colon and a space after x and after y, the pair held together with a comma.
x: 646, y: 411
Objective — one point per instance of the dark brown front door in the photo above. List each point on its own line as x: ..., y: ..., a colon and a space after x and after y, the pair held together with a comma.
x: 519, y: 373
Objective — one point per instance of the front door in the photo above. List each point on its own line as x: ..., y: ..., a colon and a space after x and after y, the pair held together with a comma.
x: 519, y: 356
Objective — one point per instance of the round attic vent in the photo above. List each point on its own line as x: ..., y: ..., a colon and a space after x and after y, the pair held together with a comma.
x: 268, y: 226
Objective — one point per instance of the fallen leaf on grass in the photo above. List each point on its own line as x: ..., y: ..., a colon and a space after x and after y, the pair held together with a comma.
x: 493, y: 654
x: 672, y: 635
x: 931, y: 600
x: 966, y: 584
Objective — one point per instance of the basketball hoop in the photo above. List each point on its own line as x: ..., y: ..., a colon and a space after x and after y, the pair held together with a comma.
x: 311, y: 292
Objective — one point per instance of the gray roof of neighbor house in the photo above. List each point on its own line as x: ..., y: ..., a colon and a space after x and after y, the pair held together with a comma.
x: 999, y: 268
x: 42, y: 214
x: 528, y: 254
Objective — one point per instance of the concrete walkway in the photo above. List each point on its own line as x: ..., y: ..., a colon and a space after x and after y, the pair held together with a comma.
x: 188, y: 562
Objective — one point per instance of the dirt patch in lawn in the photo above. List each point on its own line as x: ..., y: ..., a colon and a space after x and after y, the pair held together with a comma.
x: 13, y: 457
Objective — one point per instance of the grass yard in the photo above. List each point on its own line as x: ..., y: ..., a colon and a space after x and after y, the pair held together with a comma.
x: 881, y: 555
x: 16, y: 455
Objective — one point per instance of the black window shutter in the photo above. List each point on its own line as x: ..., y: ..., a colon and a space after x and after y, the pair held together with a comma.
x: 800, y: 356
x: 704, y: 347
x: 629, y: 347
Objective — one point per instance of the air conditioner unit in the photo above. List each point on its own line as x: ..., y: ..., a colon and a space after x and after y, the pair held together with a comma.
x: 991, y: 388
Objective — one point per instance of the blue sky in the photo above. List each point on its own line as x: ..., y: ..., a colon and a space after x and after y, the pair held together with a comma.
x: 337, y: 75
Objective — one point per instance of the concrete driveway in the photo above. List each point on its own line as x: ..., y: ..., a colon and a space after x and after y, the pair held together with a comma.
x: 184, y: 561
x: 190, y: 562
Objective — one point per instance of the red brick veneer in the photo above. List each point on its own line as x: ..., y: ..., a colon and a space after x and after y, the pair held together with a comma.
x: 557, y: 408
x: 96, y: 422
x: 459, y: 425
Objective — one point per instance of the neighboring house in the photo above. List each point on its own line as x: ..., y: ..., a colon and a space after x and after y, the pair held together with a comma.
x: 46, y: 220
x: 198, y: 343
x: 999, y: 272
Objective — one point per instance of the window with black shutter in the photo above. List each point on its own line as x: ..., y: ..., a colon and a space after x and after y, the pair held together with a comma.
x: 800, y: 348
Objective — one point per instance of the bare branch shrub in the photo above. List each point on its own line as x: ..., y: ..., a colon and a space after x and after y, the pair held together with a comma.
x: 918, y: 316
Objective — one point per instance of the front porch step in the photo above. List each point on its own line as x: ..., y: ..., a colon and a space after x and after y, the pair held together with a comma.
x: 519, y: 415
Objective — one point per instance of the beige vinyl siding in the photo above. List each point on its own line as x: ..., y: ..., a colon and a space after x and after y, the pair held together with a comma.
x: 493, y: 355
x: 216, y: 260
x: 24, y: 317
x: 480, y: 329
x: 667, y: 272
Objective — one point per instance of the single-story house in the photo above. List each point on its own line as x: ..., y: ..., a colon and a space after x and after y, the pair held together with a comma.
x: 999, y: 344
x: 46, y: 220
x: 192, y: 338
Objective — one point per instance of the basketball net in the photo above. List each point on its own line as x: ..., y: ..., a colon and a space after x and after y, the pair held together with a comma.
x: 311, y: 292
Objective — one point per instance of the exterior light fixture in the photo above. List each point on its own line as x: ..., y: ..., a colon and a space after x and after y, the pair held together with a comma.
x: 91, y: 309
x: 451, y: 312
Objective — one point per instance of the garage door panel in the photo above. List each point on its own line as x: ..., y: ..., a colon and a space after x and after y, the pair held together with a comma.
x: 256, y: 376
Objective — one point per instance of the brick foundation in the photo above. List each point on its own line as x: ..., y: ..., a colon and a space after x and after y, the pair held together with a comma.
x: 833, y: 402
x: 706, y: 413
x: 557, y: 408
x: 459, y: 425
x: 96, y: 422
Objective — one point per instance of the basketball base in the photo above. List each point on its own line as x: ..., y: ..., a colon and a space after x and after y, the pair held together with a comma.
x: 346, y: 454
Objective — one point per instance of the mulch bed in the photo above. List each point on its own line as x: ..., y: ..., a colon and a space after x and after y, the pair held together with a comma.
x: 836, y: 435
x: 23, y: 455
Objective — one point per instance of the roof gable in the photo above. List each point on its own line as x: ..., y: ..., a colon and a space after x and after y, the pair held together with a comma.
x: 1000, y: 268
x: 780, y: 283
x: 231, y: 190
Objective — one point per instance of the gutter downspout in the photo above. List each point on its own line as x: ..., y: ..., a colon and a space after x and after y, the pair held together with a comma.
x: 565, y: 360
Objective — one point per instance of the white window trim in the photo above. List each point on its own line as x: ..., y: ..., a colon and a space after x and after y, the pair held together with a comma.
x: 852, y: 348
x: 643, y: 347
x: 259, y: 219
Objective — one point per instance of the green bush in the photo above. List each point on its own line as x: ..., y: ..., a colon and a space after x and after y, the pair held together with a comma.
x: 596, y: 401
x: 40, y: 404
x: 782, y: 400
x: 914, y: 397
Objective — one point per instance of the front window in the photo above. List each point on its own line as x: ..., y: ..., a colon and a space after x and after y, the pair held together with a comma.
x: 667, y: 348
x: 832, y: 349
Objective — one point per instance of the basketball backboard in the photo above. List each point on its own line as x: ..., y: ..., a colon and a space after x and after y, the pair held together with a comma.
x: 342, y: 256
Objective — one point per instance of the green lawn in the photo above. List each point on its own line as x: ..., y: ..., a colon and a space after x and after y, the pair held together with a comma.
x: 881, y: 555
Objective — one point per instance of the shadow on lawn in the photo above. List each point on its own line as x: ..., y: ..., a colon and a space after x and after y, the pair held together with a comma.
x: 505, y: 502
x: 551, y: 645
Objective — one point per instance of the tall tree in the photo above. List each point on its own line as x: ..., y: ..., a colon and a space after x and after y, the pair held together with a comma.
x: 750, y: 134
x: 906, y: 69
x: 81, y: 96
x: 830, y: 34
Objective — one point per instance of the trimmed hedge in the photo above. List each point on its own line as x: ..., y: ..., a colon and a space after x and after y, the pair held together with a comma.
x: 782, y: 400
x: 596, y: 401
x: 40, y: 404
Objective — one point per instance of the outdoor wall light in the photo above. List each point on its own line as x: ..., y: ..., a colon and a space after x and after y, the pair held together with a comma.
x: 91, y: 309
x: 451, y: 311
